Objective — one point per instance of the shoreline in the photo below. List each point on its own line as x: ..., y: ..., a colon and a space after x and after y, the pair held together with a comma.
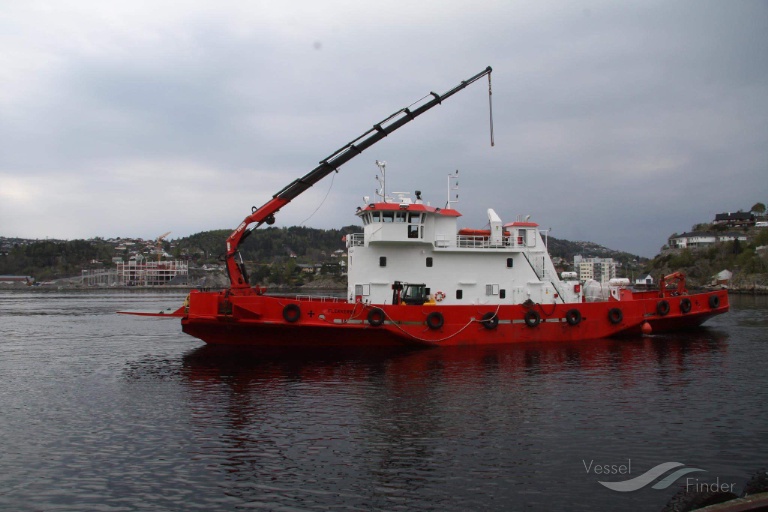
x: 325, y: 287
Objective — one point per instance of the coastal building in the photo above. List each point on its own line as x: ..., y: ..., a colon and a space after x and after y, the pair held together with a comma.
x: 142, y: 272
x: 696, y: 239
x: 27, y: 280
x: 599, y: 269
x: 646, y: 280
x: 735, y: 219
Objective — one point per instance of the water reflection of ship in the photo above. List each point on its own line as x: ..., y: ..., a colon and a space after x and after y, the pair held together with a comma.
x: 239, y: 366
x: 282, y: 427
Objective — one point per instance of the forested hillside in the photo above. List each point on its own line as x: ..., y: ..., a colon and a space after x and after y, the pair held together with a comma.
x: 272, y: 253
x: 747, y: 260
x: 49, y: 259
x: 267, y: 245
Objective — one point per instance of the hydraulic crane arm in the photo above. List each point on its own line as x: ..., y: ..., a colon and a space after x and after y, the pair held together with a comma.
x: 266, y: 213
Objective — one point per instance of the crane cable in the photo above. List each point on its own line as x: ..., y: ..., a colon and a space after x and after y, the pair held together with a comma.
x: 333, y: 177
x: 490, y: 107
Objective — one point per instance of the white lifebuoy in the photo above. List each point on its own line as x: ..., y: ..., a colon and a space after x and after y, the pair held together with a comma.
x: 439, y: 296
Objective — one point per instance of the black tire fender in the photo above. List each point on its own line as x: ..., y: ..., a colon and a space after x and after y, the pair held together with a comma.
x: 615, y: 316
x: 291, y: 313
x: 490, y: 320
x: 376, y: 317
x: 573, y: 316
x: 532, y: 318
x: 685, y: 306
x: 714, y: 301
x: 435, y: 320
x: 662, y: 308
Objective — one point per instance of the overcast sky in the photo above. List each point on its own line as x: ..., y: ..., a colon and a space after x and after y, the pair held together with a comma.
x: 615, y: 122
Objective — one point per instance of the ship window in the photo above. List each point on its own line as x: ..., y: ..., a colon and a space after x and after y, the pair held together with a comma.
x: 459, y: 294
x: 502, y: 294
x: 382, y: 261
x: 388, y: 216
x: 429, y: 261
x: 413, y: 231
x: 399, y: 216
x: 376, y: 216
x: 510, y: 262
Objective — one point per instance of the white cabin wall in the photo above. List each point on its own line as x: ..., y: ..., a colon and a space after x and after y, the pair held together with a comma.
x: 480, y: 271
x: 471, y: 271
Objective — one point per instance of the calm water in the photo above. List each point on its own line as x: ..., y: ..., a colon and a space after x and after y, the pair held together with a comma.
x: 107, y: 412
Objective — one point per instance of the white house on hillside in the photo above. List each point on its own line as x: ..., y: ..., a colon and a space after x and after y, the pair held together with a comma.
x: 703, y: 239
x: 646, y: 280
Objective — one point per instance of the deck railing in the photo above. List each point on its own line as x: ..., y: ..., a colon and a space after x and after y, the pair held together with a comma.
x: 478, y: 242
x: 320, y: 298
x: 460, y: 241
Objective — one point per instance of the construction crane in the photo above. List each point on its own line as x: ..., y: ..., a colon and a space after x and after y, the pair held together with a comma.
x: 266, y: 213
x: 159, y: 245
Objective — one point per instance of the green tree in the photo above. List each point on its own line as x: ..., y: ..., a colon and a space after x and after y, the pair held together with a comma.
x: 758, y: 209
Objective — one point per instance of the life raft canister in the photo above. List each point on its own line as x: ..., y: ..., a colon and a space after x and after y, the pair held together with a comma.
x: 435, y: 320
x: 685, y: 306
x: 291, y: 313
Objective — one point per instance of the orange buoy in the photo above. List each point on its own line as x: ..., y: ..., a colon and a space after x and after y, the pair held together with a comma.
x: 646, y: 328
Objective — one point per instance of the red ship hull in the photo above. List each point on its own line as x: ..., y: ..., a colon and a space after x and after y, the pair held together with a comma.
x: 271, y: 321
x: 679, y: 312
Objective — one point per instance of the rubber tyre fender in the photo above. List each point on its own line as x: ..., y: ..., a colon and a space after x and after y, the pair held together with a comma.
x: 490, y: 320
x: 573, y: 316
x: 615, y: 316
x: 435, y: 320
x: 662, y: 308
x: 532, y: 318
x: 376, y: 317
x: 685, y: 306
x: 714, y: 301
x: 291, y: 313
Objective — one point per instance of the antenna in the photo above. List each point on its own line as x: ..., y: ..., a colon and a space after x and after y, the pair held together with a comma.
x: 453, y: 184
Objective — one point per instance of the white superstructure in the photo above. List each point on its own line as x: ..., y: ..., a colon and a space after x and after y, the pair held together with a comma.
x: 410, y: 242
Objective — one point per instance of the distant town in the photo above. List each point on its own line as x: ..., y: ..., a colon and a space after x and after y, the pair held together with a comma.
x: 305, y: 257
